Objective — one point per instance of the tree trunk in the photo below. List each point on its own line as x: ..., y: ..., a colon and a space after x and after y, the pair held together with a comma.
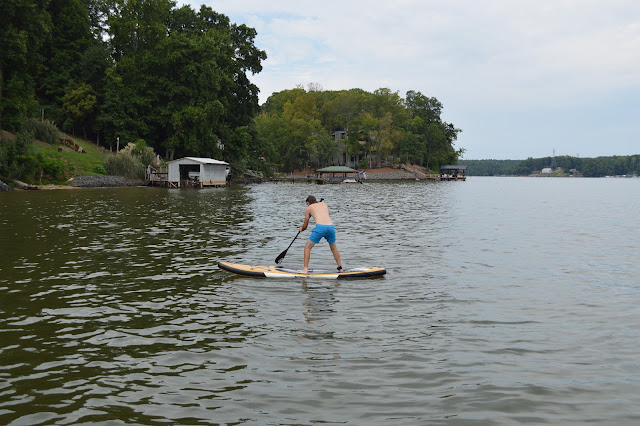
x: 1, y: 81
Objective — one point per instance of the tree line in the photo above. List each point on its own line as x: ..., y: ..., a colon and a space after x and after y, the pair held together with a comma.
x: 130, y: 70
x: 587, y: 167
x: 305, y: 128
x: 178, y: 80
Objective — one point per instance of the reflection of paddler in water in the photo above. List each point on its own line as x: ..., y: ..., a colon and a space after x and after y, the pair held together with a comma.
x: 323, y: 229
x: 319, y: 306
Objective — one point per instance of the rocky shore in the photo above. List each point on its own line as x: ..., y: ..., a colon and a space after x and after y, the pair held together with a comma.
x: 5, y: 187
x: 391, y: 175
x: 103, y: 182
x: 382, y: 174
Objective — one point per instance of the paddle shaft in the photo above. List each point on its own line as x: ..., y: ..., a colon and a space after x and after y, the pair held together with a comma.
x: 284, y: 253
x: 294, y: 238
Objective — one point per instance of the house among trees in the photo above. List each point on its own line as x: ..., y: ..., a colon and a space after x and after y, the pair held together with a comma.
x: 353, y: 128
x: 342, y: 158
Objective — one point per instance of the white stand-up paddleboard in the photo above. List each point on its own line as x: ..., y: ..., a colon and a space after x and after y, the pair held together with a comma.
x: 287, y: 272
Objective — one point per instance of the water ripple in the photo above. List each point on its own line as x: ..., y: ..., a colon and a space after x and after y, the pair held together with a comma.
x: 506, y: 301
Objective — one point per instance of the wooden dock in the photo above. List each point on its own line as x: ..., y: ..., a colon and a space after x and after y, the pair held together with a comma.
x: 157, y: 176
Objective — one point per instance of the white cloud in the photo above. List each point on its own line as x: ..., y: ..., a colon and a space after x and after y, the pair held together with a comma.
x: 490, y: 58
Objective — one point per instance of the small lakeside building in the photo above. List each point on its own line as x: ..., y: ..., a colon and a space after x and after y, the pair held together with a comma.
x: 336, y: 174
x: 453, y: 172
x: 196, y: 172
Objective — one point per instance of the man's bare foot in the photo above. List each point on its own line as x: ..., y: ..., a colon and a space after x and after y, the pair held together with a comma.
x: 304, y: 271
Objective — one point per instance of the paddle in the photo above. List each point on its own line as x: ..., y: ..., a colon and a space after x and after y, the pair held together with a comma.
x: 284, y: 253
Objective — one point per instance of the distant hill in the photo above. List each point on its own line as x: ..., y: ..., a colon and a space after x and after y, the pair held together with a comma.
x: 489, y: 167
x: 617, y: 165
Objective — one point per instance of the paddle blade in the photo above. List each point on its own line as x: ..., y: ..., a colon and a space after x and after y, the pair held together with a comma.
x: 281, y: 256
x: 284, y: 253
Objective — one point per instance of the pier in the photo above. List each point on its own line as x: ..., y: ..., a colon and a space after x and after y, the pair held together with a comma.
x: 157, y: 176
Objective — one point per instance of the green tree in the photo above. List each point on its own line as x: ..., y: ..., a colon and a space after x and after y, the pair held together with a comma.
x: 428, y: 109
x: 362, y: 129
x: 137, y: 25
x: 271, y: 134
x: 24, y: 25
x: 306, y: 133
x: 342, y: 108
x: 384, y: 137
x: 181, y: 80
x: 62, y: 51
x: 275, y: 102
x: 385, y: 102
x: 381, y: 126
x: 413, y: 147
x: 120, y: 113
x: 78, y: 105
x: 12, y: 151
x: 433, y: 144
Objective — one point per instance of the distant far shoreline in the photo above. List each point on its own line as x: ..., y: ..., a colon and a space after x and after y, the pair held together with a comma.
x: 560, y: 166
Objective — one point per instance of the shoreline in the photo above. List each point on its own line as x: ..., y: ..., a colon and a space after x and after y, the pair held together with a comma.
x: 376, y: 174
x: 80, y: 182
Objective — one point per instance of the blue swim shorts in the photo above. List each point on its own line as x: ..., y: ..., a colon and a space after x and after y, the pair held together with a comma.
x: 328, y: 232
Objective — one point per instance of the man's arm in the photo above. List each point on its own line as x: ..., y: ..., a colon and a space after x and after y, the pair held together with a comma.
x: 307, y: 215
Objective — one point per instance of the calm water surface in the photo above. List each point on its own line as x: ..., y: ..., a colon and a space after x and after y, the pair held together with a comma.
x: 506, y: 301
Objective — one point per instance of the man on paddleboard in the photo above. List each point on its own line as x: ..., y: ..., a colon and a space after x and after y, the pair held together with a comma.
x: 323, y: 229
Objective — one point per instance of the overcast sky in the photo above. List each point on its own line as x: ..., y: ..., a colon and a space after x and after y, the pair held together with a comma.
x: 521, y: 78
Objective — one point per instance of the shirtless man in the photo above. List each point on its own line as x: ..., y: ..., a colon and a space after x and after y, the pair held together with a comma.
x: 323, y: 229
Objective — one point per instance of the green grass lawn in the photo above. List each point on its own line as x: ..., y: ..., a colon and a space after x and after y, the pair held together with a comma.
x: 79, y: 164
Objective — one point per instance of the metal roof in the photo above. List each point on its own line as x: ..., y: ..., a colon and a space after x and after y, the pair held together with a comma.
x: 337, y: 169
x: 201, y: 160
x: 453, y: 167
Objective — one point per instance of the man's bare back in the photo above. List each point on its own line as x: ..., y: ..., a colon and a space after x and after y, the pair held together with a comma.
x: 319, y: 212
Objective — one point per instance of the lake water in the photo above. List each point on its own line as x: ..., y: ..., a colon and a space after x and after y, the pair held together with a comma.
x: 507, y: 300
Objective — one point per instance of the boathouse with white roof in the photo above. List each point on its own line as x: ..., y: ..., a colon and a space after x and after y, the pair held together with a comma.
x: 196, y: 171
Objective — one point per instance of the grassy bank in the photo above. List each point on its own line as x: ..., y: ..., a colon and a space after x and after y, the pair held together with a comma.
x: 89, y: 162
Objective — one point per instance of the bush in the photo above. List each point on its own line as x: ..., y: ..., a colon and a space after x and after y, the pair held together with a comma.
x: 148, y: 156
x: 32, y: 168
x: 143, y: 153
x: 131, y: 161
x: 43, y: 130
x: 50, y: 168
x: 13, y: 153
x: 99, y: 169
x: 126, y: 165
x: 28, y: 168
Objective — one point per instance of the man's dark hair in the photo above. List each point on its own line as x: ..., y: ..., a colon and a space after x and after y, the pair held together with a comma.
x: 311, y: 199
